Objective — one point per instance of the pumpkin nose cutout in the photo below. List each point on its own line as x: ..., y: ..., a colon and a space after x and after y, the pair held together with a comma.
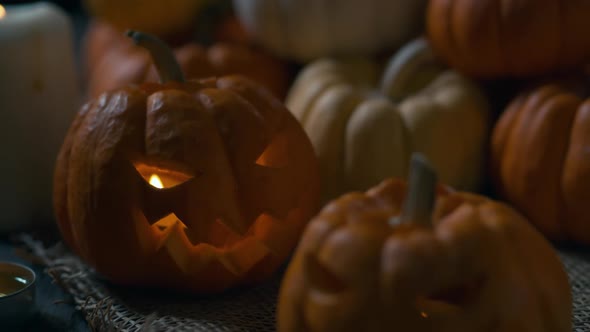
x: 165, y: 186
x: 169, y: 221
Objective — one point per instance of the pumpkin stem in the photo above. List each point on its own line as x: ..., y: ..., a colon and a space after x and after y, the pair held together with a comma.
x: 421, y: 194
x: 414, y: 66
x: 163, y: 57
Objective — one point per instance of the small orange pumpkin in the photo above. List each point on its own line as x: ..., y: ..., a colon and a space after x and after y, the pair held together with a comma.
x: 114, y: 62
x: 488, y: 38
x: 541, y: 159
x: 153, y: 16
x: 197, y: 186
x: 375, y: 261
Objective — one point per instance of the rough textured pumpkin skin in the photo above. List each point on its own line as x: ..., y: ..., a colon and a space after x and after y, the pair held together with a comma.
x: 540, y: 160
x: 481, y: 267
x: 509, y: 38
x: 364, y: 130
x: 255, y: 184
x: 113, y: 62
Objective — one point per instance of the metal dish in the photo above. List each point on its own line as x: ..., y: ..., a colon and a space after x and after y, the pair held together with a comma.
x: 17, y: 293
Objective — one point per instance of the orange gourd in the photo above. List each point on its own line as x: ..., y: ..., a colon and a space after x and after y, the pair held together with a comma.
x: 160, y: 18
x: 540, y: 159
x: 509, y: 38
x: 113, y: 62
x: 196, y: 185
x: 414, y: 258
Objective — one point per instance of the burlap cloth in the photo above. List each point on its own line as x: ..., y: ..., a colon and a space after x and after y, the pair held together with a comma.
x: 110, y: 308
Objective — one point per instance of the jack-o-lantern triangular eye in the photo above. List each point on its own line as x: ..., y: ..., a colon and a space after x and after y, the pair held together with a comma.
x: 162, y: 176
x: 275, y: 155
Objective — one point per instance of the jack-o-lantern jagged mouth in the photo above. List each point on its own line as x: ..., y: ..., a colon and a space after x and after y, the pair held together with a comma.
x: 223, y: 236
x: 184, y: 240
x: 168, y: 221
x: 170, y: 235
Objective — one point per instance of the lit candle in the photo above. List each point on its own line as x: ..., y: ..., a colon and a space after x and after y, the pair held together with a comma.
x: 160, y: 177
x: 39, y: 95
x: 166, y: 179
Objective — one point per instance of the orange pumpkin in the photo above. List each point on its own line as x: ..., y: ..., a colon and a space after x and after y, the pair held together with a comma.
x: 509, y: 38
x: 541, y: 159
x: 198, y: 185
x: 386, y: 260
x: 153, y: 16
x: 114, y: 62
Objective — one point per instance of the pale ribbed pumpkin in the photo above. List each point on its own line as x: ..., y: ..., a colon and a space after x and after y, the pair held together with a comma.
x: 309, y: 29
x: 364, y: 130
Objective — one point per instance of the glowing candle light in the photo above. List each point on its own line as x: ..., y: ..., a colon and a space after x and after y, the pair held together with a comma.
x: 156, y: 182
x: 166, y: 179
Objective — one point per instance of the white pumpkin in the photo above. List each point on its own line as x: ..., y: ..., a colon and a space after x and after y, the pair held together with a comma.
x: 364, y: 130
x: 307, y: 29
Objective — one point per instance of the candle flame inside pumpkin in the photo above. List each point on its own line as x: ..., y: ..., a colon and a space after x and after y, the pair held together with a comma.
x: 156, y: 182
x: 2, y: 12
x: 161, y: 177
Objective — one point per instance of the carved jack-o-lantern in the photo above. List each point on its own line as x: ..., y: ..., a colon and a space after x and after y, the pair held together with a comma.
x: 189, y: 185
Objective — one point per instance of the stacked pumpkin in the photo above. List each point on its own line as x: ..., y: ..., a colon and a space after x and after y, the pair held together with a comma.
x: 509, y: 38
x: 113, y: 61
x: 305, y: 30
x: 539, y: 147
x: 239, y: 174
x: 365, y: 121
x: 343, y: 276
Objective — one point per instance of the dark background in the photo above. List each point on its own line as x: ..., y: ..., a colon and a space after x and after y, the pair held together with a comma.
x: 66, y: 4
x: 54, y: 309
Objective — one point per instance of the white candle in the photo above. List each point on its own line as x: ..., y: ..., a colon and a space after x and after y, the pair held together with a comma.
x: 39, y: 96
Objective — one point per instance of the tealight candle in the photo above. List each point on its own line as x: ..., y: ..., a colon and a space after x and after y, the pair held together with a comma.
x: 39, y: 95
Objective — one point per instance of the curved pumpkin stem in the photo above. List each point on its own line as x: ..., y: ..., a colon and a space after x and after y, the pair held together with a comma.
x: 163, y: 57
x: 403, y: 67
x: 421, y: 194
